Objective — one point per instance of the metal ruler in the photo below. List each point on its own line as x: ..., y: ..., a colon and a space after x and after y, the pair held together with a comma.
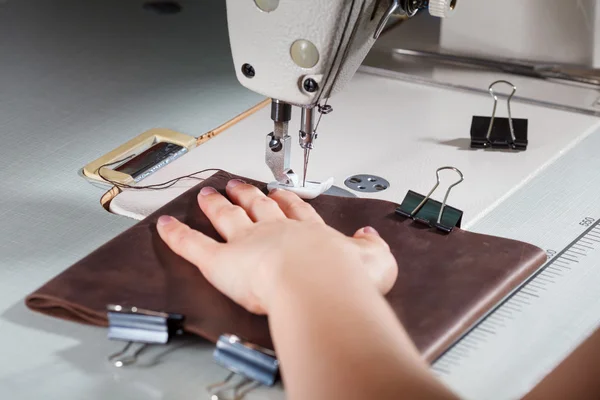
x: 532, y: 330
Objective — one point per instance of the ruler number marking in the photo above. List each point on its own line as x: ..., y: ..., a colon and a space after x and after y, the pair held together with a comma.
x: 587, y: 221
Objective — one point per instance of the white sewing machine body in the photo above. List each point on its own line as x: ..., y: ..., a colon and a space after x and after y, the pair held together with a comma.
x: 302, y: 54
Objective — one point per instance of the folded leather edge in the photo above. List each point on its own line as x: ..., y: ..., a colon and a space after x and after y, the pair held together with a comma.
x: 67, y: 311
x: 57, y: 308
x: 483, y: 308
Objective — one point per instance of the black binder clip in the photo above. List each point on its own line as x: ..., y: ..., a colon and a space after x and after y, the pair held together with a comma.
x: 499, y: 133
x: 135, y: 325
x: 256, y: 365
x: 427, y: 211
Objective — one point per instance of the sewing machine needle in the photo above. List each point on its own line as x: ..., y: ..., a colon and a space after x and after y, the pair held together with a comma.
x: 306, y: 156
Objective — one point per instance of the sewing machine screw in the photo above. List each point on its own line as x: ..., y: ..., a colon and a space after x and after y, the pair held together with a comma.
x: 310, y: 85
x: 275, y: 145
x: 248, y: 71
x: 325, y: 109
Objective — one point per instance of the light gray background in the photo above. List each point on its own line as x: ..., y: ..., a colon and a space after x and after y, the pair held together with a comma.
x: 77, y: 79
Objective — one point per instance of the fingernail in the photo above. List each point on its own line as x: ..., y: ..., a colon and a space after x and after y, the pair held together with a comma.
x: 205, y: 191
x: 273, y: 190
x: 370, y: 231
x: 164, y: 220
x: 234, y: 182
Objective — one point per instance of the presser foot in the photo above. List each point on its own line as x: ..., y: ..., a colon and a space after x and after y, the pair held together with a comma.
x: 278, y: 154
x: 309, y: 191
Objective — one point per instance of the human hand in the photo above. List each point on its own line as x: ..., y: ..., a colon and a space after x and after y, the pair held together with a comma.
x: 267, y: 235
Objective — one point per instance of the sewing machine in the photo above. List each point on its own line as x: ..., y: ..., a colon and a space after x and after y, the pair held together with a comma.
x: 301, y: 54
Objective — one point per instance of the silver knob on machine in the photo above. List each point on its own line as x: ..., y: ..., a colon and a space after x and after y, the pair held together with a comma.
x: 442, y: 8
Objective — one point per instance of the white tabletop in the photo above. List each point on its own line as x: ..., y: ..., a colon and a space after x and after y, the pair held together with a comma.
x: 392, y: 129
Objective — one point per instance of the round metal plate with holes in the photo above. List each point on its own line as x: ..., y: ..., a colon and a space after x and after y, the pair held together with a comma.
x: 367, y: 183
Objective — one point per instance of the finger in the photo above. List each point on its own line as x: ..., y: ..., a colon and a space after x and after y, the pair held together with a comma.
x: 370, y: 235
x: 188, y: 243
x: 225, y: 217
x: 258, y: 206
x: 376, y: 255
x: 294, y: 207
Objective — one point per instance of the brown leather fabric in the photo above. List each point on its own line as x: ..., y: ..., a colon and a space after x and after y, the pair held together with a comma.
x: 445, y: 282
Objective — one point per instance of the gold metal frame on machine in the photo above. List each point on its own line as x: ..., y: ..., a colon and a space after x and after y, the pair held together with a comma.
x: 150, y: 137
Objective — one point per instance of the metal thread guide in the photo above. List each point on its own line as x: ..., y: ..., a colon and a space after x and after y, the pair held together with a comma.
x: 425, y: 210
x: 499, y: 133
x: 136, y: 325
x: 256, y: 365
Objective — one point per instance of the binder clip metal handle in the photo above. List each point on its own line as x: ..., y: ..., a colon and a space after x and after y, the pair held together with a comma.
x: 256, y: 365
x: 239, y: 389
x: 136, y: 325
x: 493, y: 118
x: 499, y: 133
x: 428, y: 211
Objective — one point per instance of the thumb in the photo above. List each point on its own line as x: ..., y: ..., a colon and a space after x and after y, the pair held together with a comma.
x: 378, y: 259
